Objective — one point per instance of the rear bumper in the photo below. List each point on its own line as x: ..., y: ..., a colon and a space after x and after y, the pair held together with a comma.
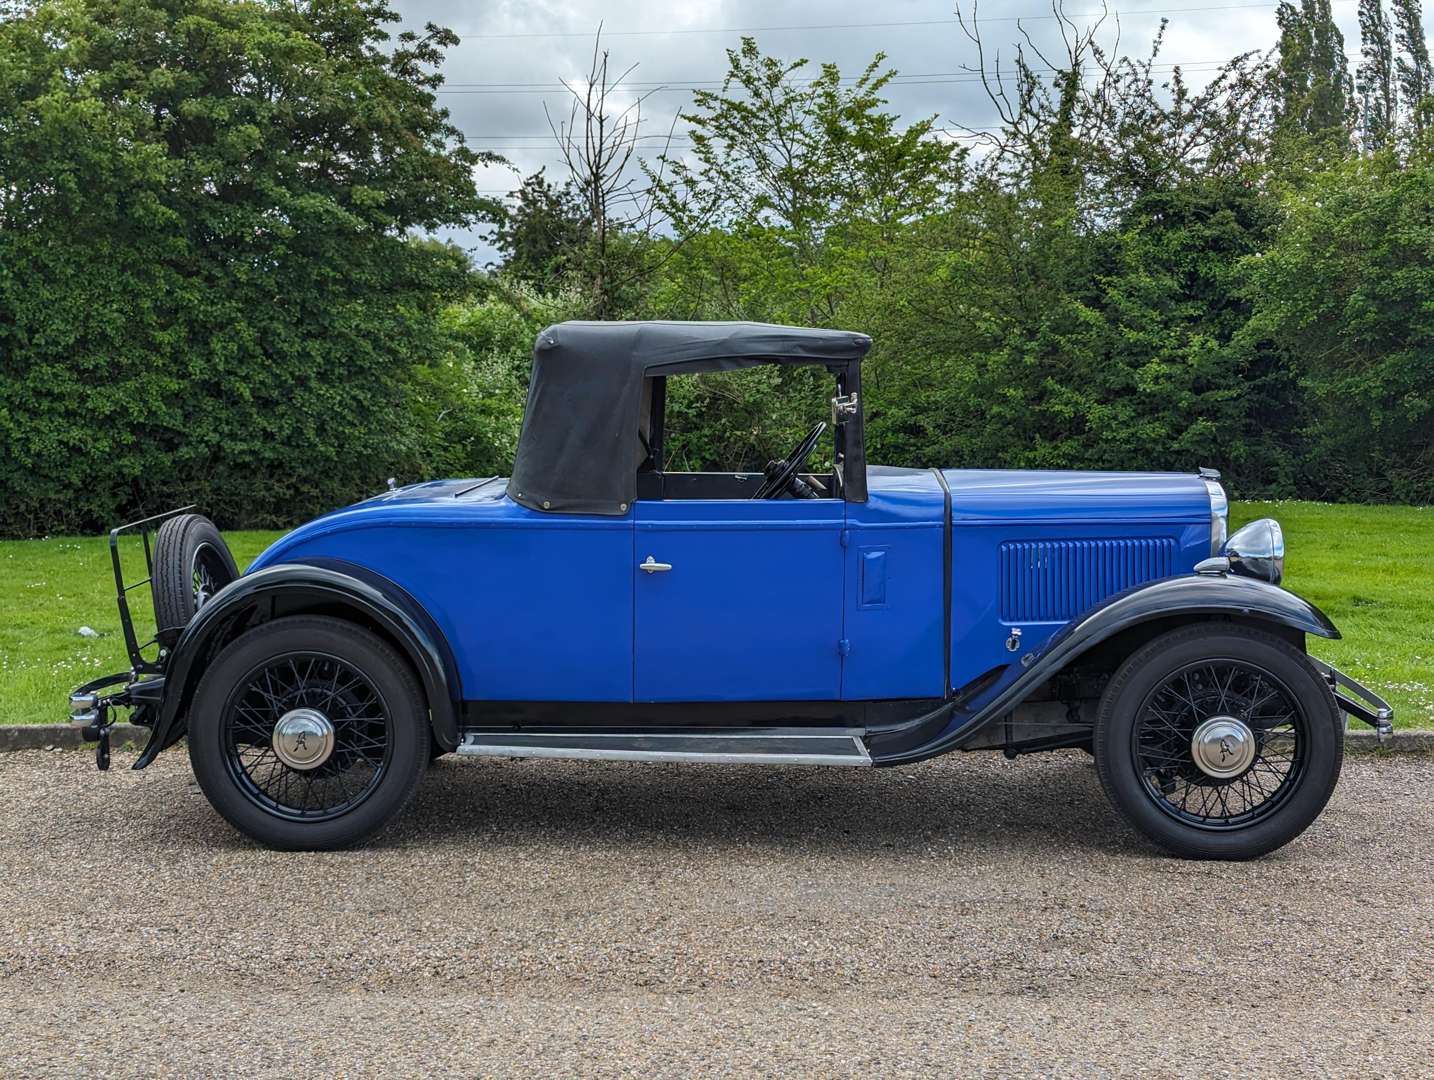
x: 1358, y: 700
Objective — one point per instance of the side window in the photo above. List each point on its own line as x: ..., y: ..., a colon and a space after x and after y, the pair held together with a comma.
x: 724, y: 434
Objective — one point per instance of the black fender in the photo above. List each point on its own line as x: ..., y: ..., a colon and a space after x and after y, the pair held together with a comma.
x: 1189, y: 598
x: 328, y: 586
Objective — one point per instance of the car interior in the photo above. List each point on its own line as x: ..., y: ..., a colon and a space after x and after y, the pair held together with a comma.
x: 783, y: 478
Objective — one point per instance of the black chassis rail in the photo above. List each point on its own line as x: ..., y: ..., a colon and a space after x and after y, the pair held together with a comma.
x: 143, y: 683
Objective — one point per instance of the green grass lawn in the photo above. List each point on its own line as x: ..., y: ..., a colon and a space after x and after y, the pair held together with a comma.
x: 51, y: 588
x: 1371, y: 568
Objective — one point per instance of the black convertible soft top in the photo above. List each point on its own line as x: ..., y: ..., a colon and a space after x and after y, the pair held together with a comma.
x: 579, y: 451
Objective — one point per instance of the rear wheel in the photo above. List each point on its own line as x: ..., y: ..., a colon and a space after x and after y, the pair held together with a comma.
x: 191, y: 563
x: 308, y: 733
x: 1219, y: 742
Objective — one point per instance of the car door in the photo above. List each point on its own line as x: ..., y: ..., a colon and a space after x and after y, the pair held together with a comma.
x: 741, y: 600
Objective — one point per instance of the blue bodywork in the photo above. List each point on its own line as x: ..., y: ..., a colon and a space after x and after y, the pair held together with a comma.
x: 597, y: 595
x: 775, y: 600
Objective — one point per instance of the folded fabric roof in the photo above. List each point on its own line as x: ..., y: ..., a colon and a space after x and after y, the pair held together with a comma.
x: 578, y: 452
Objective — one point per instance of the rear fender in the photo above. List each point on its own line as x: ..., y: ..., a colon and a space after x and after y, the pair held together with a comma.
x: 328, y: 586
x: 1186, y: 599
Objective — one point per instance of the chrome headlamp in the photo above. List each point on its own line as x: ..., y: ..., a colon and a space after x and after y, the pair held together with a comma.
x: 1258, y: 551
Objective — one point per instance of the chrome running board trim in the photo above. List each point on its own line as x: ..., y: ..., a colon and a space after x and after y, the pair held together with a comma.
x: 758, y: 746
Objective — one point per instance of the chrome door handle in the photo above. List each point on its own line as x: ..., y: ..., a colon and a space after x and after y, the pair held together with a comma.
x: 652, y: 566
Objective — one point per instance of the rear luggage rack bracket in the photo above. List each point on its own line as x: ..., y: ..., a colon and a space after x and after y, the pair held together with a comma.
x: 139, y: 663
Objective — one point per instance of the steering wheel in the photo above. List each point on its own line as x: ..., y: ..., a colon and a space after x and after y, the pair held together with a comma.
x: 782, y: 472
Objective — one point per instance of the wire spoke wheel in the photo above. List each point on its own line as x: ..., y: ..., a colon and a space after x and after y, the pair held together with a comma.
x: 307, y: 736
x: 1220, y: 743
x: 207, y: 574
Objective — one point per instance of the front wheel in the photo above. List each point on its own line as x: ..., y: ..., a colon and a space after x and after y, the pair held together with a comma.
x: 1218, y: 742
x: 308, y: 733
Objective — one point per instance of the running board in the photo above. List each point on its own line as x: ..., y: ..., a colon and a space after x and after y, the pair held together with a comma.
x: 758, y: 746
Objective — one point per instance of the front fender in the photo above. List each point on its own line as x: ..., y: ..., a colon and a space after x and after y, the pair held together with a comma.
x: 1192, y: 594
x: 319, y: 585
x: 1191, y: 597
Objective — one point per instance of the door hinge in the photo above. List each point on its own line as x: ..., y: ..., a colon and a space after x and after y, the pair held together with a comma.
x: 843, y: 647
x: 845, y: 536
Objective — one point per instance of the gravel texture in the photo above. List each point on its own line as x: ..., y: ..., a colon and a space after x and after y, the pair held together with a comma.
x: 969, y: 916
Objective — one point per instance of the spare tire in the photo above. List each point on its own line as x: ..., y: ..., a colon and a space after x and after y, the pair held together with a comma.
x: 191, y: 563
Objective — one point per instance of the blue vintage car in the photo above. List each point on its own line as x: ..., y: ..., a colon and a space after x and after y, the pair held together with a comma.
x: 600, y: 605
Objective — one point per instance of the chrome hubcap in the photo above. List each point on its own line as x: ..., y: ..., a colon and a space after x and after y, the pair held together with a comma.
x: 303, y: 738
x: 1223, y: 747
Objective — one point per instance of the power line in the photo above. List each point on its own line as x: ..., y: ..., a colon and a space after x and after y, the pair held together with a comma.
x: 933, y: 79
x: 489, y: 141
x: 965, y: 73
x: 872, y: 25
x: 689, y: 88
x: 678, y: 140
x: 638, y: 84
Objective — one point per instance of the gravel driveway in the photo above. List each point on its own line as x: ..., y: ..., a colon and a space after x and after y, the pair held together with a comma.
x: 963, y: 917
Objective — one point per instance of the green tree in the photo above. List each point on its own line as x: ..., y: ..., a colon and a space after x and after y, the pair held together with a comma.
x: 1416, y: 78
x: 617, y: 257
x: 543, y: 233
x: 1374, y: 80
x: 468, y: 402
x: 1041, y: 345
x: 794, y: 205
x: 1075, y: 306
x: 209, y: 288
x: 1312, y: 85
x: 1344, y: 292
x: 794, y: 188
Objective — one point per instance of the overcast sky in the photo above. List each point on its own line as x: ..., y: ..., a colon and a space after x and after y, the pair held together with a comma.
x: 514, y: 52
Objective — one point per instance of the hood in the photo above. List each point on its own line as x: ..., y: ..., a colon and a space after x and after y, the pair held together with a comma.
x: 439, y: 491
x: 995, y: 496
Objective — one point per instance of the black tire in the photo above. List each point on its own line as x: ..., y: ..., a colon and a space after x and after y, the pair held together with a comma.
x: 367, y: 693
x: 191, y: 563
x: 1144, y: 753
